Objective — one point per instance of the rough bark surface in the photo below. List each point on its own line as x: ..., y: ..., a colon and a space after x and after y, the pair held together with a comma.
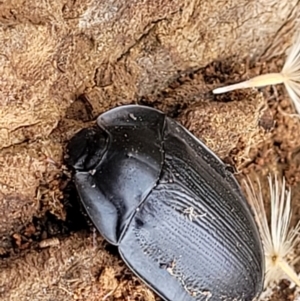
x: 62, y: 63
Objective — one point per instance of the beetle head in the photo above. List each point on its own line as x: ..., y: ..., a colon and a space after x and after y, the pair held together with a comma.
x: 86, y: 148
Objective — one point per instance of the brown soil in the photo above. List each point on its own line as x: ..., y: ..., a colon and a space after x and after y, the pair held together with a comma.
x: 62, y: 63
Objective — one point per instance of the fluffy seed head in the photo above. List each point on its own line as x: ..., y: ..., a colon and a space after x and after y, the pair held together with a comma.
x: 289, y: 76
x: 279, y: 240
x: 291, y: 73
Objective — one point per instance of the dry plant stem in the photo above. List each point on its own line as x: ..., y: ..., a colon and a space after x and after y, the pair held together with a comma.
x: 258, y: 81
x: 286, y: 268
x: 278, y: 239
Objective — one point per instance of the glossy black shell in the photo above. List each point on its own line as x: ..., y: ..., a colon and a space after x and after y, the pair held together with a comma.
x: 177, y: 215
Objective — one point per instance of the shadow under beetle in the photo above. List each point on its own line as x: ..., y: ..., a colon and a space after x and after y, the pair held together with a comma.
x: 177, y: 215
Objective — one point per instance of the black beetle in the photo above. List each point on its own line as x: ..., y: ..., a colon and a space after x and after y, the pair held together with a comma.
x: 177, y: 215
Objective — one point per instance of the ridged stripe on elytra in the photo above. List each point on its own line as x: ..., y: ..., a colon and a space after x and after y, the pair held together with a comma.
x: 201, y: 190
x: 182, y: 238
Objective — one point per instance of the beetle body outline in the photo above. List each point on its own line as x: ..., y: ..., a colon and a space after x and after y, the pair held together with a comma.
x: 137, y: 173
